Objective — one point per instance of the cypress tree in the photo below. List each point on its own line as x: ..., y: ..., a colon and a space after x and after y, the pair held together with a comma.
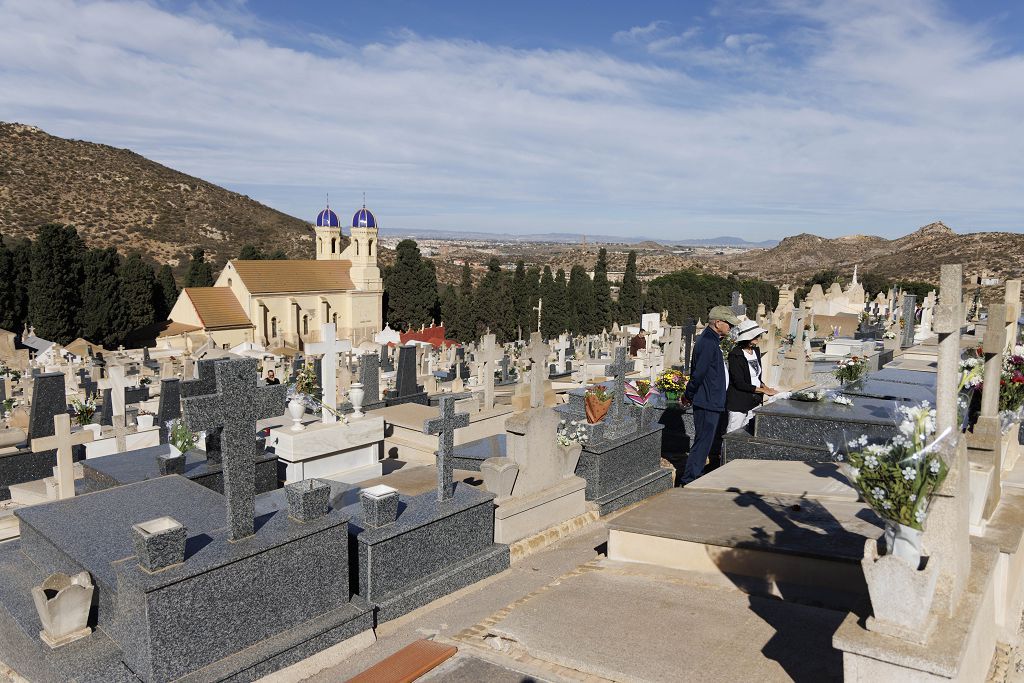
x: 200, y: 272
x: 449, y: 309
x: 99, y: 316
x: 557, y: 313
x: 54, y: 293
x: 138, y: 290
x: 465, y: 320
x: 492, y: 304
x: 548, y: 324
x: 9, y: 297
x: 630, y: 295
x: 411, y: 284
x: 533, y: 291
x: 581, y: 300
x: 603, y: 304
x: 21, y: 259
x: 167, y: 291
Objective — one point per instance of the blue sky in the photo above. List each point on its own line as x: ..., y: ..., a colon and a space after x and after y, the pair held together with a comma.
x: 758, y: 119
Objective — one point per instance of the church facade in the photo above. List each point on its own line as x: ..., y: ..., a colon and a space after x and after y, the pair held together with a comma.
x: 281, y: 305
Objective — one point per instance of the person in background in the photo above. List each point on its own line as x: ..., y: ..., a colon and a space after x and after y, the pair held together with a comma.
x: 706, y: 391
x: 636, y: 343
x: 746, y: 376
x: 271, y: 379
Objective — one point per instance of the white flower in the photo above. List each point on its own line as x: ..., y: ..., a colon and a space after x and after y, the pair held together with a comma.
x: 913, y: 497
x: 909, y: 474
x: 934, y: 466
x: 855, y: 472
x: 919, y: 516
x: 878, y: 492
x: 863, y: 440
x: 871, y: 461
x: 886, y: 505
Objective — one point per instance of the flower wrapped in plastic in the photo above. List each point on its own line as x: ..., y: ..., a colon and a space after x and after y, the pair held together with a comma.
x: 671, y: 381
x: 850, y: 369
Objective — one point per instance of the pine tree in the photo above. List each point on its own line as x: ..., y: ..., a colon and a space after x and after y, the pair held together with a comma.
x: 548, y: 324
x: 603, y: 304
x: 54, y: 293
x: 411, y: 284
x: 630, y: 295
x: 138, y: 290
x: 167, y: 292
x: 581, y: 300
x: 465, y: 320
x: 200, y: 272
x: 519, y: 292
x: 100, y: 314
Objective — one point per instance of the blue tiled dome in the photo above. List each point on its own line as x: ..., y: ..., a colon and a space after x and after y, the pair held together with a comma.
x: 364, y: 219
x: 327, y: 219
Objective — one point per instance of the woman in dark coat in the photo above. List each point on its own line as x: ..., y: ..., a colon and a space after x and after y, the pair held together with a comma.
x: 746, y: 376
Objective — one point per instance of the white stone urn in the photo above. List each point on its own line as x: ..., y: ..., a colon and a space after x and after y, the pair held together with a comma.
x: 356, y: 394
x: 63, y: 603
x: 94, y: 428
x: 145, y: 421
x: 901, y: 595
x: 296, y: 408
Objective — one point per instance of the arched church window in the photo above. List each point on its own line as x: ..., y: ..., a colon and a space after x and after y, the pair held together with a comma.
x: 305, y: 324
x: 334, y: 244
x: 357, y: 247
x: 369, y: 248
x: 319, y: 245
x: 229, y: 282
x: 273, y: 328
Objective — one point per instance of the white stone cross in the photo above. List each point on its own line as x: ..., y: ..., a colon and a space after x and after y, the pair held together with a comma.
x: 120, y: 430
x: 538, y: 308
x: 62, y: 440
x: 329, y: 347
x: 562, y: 345
x: 116, y: 383
x: 488, y: 355
x: 537, y: 352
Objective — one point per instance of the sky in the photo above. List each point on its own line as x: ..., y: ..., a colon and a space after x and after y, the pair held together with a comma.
x: 670, y: 120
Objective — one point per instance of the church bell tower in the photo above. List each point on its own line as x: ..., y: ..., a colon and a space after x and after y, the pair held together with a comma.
x: 362, y: 252
x: 328, y: 235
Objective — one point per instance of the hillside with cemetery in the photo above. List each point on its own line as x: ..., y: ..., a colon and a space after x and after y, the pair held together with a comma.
x: 917, y: 256
x: 116, y: 197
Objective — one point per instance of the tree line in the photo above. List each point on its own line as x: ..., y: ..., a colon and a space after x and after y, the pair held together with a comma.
x: 506, y: 302
x: 66, y: 290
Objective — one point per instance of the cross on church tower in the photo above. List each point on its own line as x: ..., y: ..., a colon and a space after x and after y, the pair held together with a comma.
x: 444, y: 426
x: 235, y: 408
x: 329, y: 346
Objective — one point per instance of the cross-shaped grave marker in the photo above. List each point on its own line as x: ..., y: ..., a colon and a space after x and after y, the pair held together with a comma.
x: 504, y: 363
x: 63, y: 439
x: 330, y: 347
x: 487, y: 356
x: 115, y: 381
x: 444, y: 425
x: 235, y: 408
x: 121, y: 430
x: 537, y: 353
x: 539, y: 307
x: 618, y: 422
x: 562, y: 345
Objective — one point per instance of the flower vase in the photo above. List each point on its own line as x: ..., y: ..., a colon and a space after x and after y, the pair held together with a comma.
x: 596, y: 409
x: 904, y: 542
x: 672, y: 396
x: 356, y: 394
x: 94, y: 428
x: 296, y: 409
x: 145, y: 421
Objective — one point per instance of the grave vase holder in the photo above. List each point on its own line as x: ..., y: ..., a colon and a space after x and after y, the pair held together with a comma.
x: 596, y: 409
x: 901, y: 596
x: 159, y: 543
x: 356, y: 395
x: 308, y: 499
x: 63, y: 603
x: 296, y: 408
x: 145, y: 421
x: 903, y: 542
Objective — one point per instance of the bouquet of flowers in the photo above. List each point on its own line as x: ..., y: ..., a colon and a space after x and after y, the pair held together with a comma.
x: 305, y: 387
x: 841, y: 400
x: 898, y: 478
x: 808, y: 395
x: 640, y: 392
x: 850, y: 369
x: 1011, y: 383
x: 671, y: 382
x: 180, y: 436
x: 570, y: 433
x: 84, y: 410
x: 7, y: 406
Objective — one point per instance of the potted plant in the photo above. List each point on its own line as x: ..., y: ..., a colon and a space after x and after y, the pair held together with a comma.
x: 597, y: 401
x: 180, y: 437
x: 672, y: 383
x: 145, y: 419
x: 850, y: 369
x: 302, y: 392
x: 898, y: 478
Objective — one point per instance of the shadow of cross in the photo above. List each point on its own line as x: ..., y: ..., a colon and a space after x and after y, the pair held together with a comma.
x: 235, y: 408
x: 444, y: 425
x: 63, y: 440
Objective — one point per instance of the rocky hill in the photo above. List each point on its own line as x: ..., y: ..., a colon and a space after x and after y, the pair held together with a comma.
x: 118, y: 198
x: 916, y: 256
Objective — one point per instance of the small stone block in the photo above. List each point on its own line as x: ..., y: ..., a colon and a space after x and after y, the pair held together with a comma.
x: 308, y: 499
x: 159, y: 543
x: 380, y: 506
x: 171, y: 464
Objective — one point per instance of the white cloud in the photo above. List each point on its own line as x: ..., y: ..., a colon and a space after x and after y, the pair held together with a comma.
x: 895, y: 115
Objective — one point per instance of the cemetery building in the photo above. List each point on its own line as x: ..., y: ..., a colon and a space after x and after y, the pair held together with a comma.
x: 283, y: 303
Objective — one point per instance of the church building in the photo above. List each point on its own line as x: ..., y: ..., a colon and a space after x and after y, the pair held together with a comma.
x: 281, y: 304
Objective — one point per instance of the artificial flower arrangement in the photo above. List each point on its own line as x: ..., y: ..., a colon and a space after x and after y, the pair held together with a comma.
x: 672, y: 383
x: 180, y: 436
x: 640, y: 392
x: 305, y: 387
x: 808, y: 395
x: 850, y: 369
x: 597, y: 401
x: 570, y: 433
x: 1011, y: 386
x: 841, y: 400
x: 899, y: 477
x: 84, y: 410
x: 7, y: 405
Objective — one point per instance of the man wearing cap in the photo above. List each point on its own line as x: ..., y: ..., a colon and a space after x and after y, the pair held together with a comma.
x: 706, y: 389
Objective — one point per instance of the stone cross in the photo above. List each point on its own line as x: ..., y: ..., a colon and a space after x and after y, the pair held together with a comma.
x: 63, y: 440
x: 235, y: 408
x: 487, y: 356
x: 120, y: 431
x: 329, y: 347
x: 444, y: 425
x: 1011, y: 298
x: 618, y: 422
x: 205, y: 385
x: 909, y: 321
x: 562, y: 345
x: 504, y: 363
x: 993, y: 345
x: 673, y: 346
x: 537, y: 353
x: 538, y: 308
x: 116, y: 383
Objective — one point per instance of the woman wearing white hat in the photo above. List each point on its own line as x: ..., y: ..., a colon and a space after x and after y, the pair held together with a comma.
x: 746, y: 386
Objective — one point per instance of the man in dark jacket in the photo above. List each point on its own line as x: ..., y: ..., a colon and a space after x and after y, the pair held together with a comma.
x: 706, y: 390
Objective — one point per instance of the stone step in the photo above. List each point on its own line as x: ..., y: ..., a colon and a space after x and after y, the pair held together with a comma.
x: 34, y: 492
x: 817, y: 481
x: 741, y: 445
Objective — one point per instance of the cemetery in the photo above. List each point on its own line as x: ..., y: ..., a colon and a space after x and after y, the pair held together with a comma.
x: 173, y: 512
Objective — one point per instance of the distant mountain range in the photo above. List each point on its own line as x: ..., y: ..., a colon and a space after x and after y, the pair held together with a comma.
x: 573, y: 238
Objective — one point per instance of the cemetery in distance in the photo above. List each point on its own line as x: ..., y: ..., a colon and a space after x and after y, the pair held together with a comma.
x: 288, y: 484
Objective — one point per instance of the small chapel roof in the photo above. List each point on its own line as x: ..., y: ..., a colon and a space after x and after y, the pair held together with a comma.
x: 281, y: 277
x: 218, y: 308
